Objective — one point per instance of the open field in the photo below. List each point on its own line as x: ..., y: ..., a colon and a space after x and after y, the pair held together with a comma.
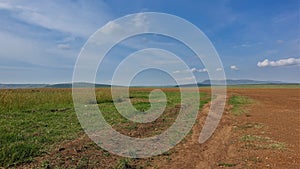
x: 259, y: 129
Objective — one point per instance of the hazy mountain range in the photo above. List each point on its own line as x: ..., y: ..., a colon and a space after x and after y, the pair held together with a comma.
x: 234, y: 82
x: 203, y: 83
x: 59, y: 85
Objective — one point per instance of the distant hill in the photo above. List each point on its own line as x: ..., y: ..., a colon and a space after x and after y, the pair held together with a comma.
x: 84, y: 85
x: 78, y: 85
x: 239, y: 82
x: 193, y: 85
x: 59, y: 85
x: 15, y: 86
x: 231, y: 82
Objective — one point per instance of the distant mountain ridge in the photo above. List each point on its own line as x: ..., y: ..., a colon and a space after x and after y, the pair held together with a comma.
x: 240, y: 82
x: 15, y: 86
x: 203, y: 83
x: 77, y: 85
x: 59, y: 85
x: 231, y: 82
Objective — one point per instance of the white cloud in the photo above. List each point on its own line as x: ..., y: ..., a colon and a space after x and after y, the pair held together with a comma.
x: 193, y: 70
x: 140, y: 20
x: 234, y: 67
x: 185, y: 71
x: 219, y: 69
x: 64, y: 46
x: 186, y: 80
x: 202, y: 70
x: 242, y: 46
x: 112, y: 28
x: 281, y: 62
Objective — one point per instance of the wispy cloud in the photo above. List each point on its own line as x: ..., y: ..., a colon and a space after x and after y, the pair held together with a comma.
x: 73, y: 18
x: 279, y: 41
x: 285, y: 17
x: 5, y: 5
x: 247, y: 45
x: 64, y: 46
x: 192, y: 70
x: 47, y: 35
x: 186, y: 80
x: 234, y: 67
x: 281, y: 62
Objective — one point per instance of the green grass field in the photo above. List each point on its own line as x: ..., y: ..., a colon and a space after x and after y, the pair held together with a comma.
x: 34, y: 121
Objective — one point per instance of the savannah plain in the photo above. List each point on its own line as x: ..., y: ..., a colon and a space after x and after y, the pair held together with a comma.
x: 259, y: 129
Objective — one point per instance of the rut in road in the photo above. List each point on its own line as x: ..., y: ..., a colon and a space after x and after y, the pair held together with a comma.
x: 192, y: 154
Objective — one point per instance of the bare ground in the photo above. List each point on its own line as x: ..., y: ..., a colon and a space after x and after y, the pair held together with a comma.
x: 266, y: 136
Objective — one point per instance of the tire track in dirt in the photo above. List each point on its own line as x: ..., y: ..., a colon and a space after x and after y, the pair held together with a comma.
x: 273, y: 117
x: 192, y: 154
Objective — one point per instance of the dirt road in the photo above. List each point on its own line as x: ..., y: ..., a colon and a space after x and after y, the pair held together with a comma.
x: 267, y: 135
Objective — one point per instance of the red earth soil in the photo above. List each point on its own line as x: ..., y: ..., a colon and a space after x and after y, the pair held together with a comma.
x: 266, y: 135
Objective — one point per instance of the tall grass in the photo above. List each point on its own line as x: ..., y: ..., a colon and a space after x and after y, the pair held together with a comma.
x: 31, y: 120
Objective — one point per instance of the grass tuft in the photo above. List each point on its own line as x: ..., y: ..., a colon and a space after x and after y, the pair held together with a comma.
x: 258, y: 142
x: 124, y: 164
x: 254, y: 138
x: 277, y: 146
x: 238, y: 102
x: 223, y: 164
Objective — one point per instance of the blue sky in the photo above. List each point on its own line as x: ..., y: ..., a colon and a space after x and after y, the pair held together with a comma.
x: 40, y: 40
